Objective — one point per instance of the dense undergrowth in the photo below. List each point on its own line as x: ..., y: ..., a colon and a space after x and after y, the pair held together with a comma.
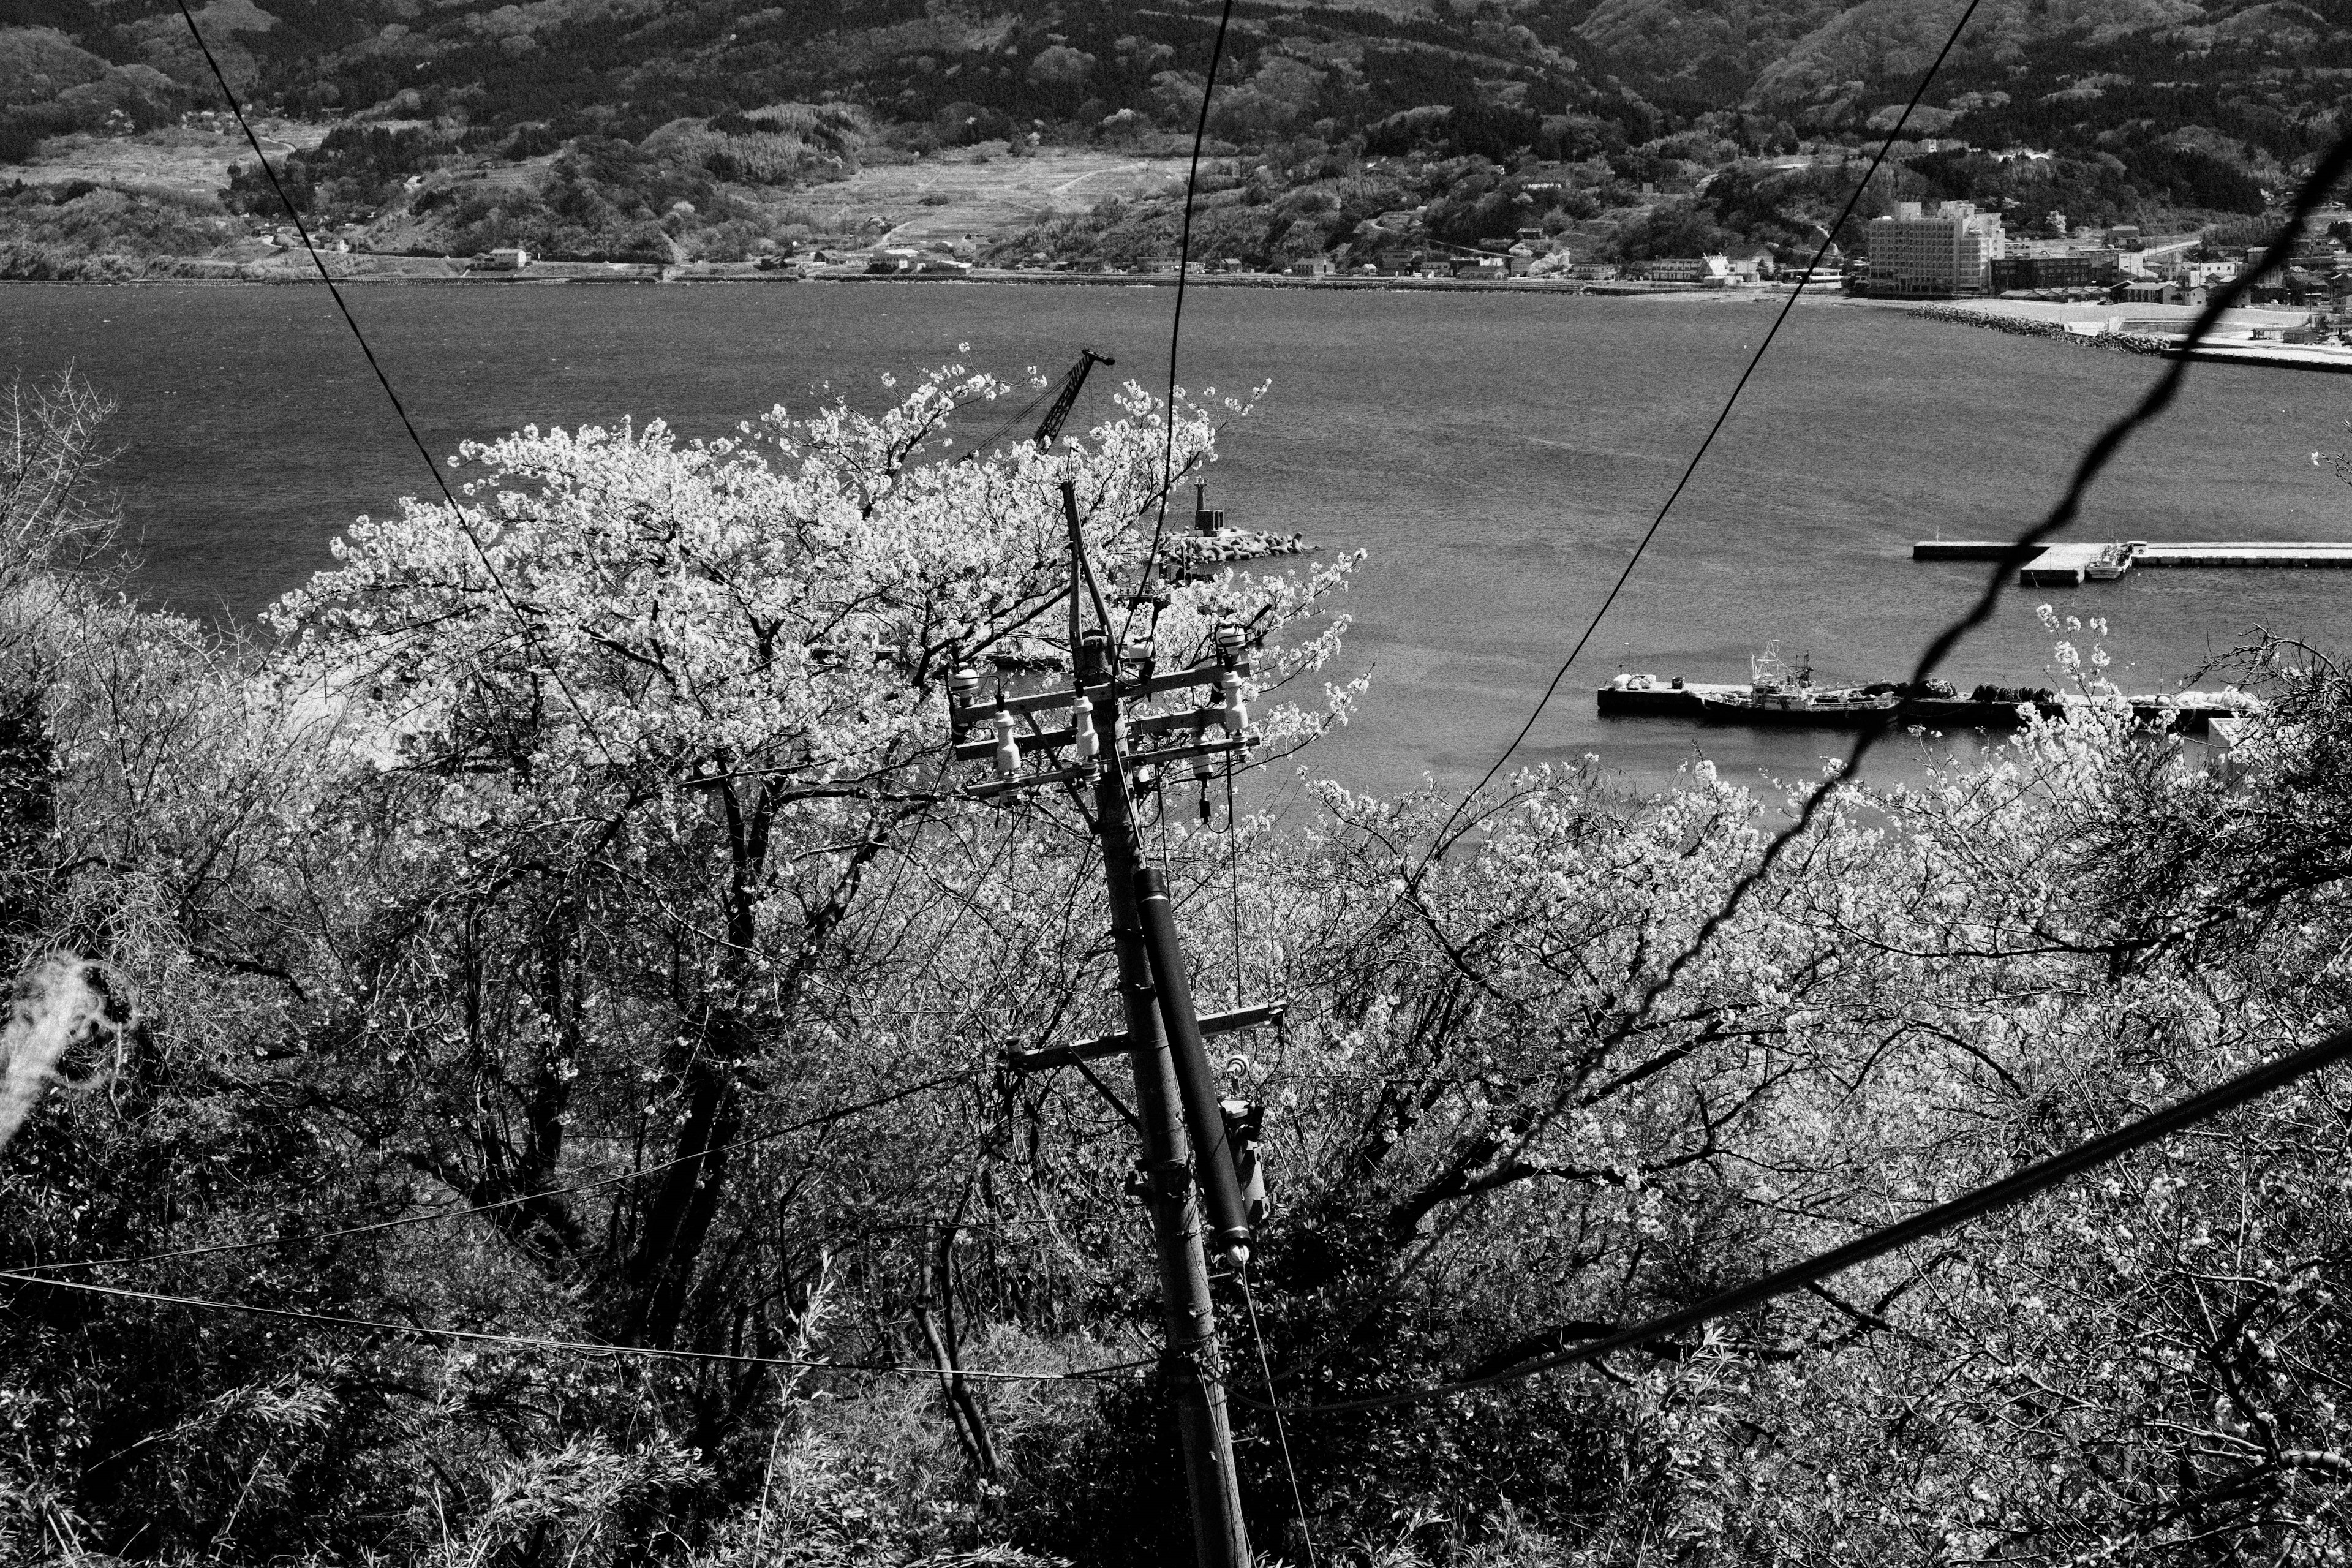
x: 622, y: 890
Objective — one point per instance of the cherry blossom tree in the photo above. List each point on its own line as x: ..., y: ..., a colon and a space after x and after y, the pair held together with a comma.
x: 653, y: 745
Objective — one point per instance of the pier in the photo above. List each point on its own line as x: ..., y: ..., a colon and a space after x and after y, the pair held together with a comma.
x: 2189, y: 712
x: 2069, y: 564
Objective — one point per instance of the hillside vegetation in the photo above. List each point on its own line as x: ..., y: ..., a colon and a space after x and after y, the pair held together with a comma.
x: 641, y: 129
x: 599, y: 953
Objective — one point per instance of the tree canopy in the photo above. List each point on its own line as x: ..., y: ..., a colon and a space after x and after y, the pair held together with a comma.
x: 569, y: 931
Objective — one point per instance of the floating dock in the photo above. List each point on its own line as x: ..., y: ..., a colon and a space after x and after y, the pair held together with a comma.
x: 2068, y: 564
x: 2189, y: 714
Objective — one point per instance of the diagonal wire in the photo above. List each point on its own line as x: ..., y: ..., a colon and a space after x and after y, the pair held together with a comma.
x: 1281, y: 1432
x: 2330, y: 170
x: 457, y: 513
x: 1829, y: 238
x: 529, y: 1342
x: 2326, y: 174
x: 2324, y: 177
x: 2011, y: 1190
x: 1176, y: 325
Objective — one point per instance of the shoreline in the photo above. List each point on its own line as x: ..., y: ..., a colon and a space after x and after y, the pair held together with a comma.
x: 2101, y: 333
x: 641, y: 273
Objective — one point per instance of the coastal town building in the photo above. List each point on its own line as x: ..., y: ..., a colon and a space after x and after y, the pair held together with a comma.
x: 2031, y: 265
x: 1919, y: 255
x: 2178, y: 269
x: 2157, y: 291
x: 1712, y: 271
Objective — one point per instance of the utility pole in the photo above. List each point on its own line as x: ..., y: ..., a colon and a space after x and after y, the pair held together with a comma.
x: 1188, y: 1161
x: 1192, y: 1363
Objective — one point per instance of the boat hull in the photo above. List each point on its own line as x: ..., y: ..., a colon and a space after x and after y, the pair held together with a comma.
x: 1798, y: 715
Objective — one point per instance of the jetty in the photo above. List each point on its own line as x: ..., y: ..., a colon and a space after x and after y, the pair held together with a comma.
x: 2187, y: 712
x: 2069, y: 563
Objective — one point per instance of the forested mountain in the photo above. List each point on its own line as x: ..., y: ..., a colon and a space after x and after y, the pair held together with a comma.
x: 2258, y: 84
x: 662, y: 131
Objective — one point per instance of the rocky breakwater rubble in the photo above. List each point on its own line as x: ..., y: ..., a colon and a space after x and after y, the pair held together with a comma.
x: 2035, y: 327
x: 1233, y: 544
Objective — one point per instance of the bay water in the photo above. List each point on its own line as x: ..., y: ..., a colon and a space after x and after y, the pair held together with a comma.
x: 1498, y: 455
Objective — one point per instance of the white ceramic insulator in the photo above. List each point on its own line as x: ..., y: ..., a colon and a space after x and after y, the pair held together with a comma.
x: 1008, y: 750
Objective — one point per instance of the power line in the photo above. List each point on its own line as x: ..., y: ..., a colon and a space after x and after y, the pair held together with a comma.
x: 1829, y: 238
x: 457, y: 513
x: 1176, y: 323
x: 528, y: 1342
x: 2324, y: 177
x: 2329, y: 171
x: 1281, y: 1432
x: 2226, y: 1096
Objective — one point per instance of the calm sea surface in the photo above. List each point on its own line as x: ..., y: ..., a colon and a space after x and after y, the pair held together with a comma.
x: 1497, y: 455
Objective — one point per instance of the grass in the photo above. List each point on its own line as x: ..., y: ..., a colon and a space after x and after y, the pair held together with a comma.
x: 980, y: 192
x: 189, y: 162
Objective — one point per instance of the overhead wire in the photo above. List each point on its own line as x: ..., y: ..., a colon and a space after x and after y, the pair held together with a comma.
x: 457, y: 513
x: 531, y: 635
x: 1281, y: 1430
x: 1829, y: 238
x: 1176, y: 322
x: 2326, y: 174
x: 2036, y: 1178
x: 2016, y: 1188
x: 532, y: 1341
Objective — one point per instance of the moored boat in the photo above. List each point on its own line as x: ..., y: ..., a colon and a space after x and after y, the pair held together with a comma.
x: 2111, y: 562
x: 1777, y: 695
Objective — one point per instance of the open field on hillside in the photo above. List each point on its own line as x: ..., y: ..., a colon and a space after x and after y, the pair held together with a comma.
x: 980, y: 193
x: 191, y: 162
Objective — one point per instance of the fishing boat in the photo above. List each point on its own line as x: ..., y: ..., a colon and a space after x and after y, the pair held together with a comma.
x: 1776, y: 695
x: 2111, y: 562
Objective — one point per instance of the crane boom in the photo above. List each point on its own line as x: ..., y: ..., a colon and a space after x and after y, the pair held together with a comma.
x: 1051, y: 425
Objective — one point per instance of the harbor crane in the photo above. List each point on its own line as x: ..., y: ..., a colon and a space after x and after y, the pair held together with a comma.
x: 1064, y: 398
x: 1051, y: 425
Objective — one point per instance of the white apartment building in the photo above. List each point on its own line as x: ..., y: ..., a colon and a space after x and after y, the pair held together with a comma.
x: 1924, y: 256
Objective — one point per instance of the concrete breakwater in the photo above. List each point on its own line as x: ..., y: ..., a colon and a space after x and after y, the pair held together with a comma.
x: 2069, y: 562
x: 1984, y: 708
